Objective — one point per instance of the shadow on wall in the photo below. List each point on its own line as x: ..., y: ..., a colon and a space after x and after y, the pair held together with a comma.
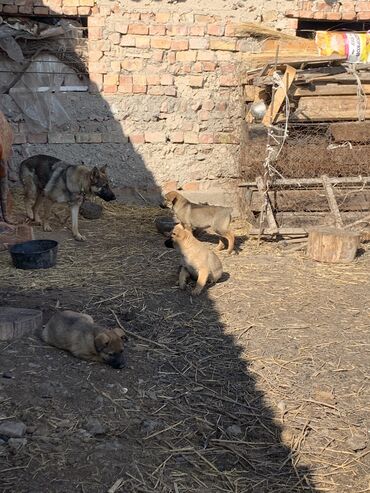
x: 214, y: 430
x: 44, y: 93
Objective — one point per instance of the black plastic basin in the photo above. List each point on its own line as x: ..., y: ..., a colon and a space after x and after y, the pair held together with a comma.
x: 35, y: 254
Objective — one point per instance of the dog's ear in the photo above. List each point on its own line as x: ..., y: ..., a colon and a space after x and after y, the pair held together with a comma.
x: 95, y: 172
x: 119, y: 332
x: 103, y: 169
x: 101, y: 341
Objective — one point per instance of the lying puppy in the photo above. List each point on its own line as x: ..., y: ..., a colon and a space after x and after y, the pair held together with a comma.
x: 78, y: 334
x: 202, y: 216
x: 198, y: 260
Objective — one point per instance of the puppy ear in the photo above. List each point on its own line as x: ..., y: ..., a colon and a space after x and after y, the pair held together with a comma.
x: 95, y: 172
x: 104, y: 168
x: 119, y: 332
x: 101, y: 342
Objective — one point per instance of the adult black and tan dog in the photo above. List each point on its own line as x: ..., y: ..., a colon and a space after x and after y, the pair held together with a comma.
x: 47, y: 180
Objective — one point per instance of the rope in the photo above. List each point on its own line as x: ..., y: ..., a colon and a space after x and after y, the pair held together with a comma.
x: 361, y: 96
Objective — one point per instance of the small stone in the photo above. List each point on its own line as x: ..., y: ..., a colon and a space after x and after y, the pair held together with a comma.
x: 356, y: 442
x: 2, y: 442
x: 7, y: 375
x: 13, y: 429
x: 149, y: 425
x: 16, y: 444
x: 234, y: 430
x: 94, y: 427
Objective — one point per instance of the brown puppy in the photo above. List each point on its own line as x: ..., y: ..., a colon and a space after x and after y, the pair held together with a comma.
x: 197, y: 259
x: 78, y: 334
x: 47, y: 180
x: 202, y: 216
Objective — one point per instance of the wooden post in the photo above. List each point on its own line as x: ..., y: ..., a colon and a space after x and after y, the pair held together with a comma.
x: 332, y: 245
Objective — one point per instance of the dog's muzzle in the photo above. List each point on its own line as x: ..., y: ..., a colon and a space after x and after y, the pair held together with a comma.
x: 117, y: 362
x: 106, y: 194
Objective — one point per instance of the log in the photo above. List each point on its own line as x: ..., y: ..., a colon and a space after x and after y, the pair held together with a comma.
x: 329, y: 90
x: 332, y: 202
x: 17, y: 322
x: 332, y: 245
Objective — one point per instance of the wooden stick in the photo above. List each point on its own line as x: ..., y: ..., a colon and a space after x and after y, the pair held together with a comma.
x: 332, y: 201
x: 312, y: 181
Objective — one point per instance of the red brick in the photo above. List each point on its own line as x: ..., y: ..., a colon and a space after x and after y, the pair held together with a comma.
x: 222, y: 44
x: 196, y: 30
x: 197, y: 67
x: 169, y: 186
x: 228, y: 80
x: 227, y: 68
x: 121, y: 28
x: 95, y: 55
x: 13, y: 9
x: 152, y: 79
x: 209, y: 66
x: 142, y: 42
x: 177, y: 137
x: 84, y: 11
x: 41, y: 138
x: 363, y: 16
x: 191, y: 186
x: 191, y: 138
x: 139, y: 79
x: 157, y: 55
x: 137, y: 138
x: 110, y: 79
x: 203, y: 19
x: 215, y: 29
x: 96, y: 21
x: 68, y: 10
x: 109, y: 89
x: 95, y: 33
x: 132, y: 64
x: 138, y: 29
x: 196, y: 81
x: 160, y: 42
x: 186, y: 56
x: 206, y: 138
x: 128, y: 41
x: 333, y: 16
x: 208, y: 105
x: 115, y: 38
x: 349, y: 16
x: 157, y: 30
x: 179, y: 44
x: 139, y: 89
x: 24, y: 9
x: 177, y: 30
x: 125, y: 88
x: 162, y: 17
x: 147, y: 17
x: 222, y: 106
x: 207, y: 56
x: 198, y: 43
x: 156, y: 90
x: 203, y: 115
x: 170, y: 91
x: 155, y: 137
x: 97, y: 80
x: 187, y: 126
x: 166, y: 80
x: 362, y: 6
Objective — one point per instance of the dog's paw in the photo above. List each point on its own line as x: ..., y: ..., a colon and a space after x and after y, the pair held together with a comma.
x: 196, y: 292
x: 79, y: 237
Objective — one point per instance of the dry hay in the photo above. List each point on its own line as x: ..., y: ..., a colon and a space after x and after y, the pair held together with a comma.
x: 254, y: 387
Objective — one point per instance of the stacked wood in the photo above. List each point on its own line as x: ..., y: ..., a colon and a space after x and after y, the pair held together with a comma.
x: 322, y: 89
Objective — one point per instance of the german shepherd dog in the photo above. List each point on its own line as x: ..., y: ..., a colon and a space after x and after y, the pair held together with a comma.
x: 202, y: 216
x: 47, y: 180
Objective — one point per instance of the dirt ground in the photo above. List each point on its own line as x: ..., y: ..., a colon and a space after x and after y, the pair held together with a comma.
x: 259, y: 385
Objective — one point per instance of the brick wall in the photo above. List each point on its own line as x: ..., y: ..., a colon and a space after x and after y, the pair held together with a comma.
x: 347, y: 10
x: 47, y: 7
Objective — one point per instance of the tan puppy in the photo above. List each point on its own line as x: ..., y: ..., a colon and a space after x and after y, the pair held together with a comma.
x: 78, y: 334
x: 202, y: 216
x: 197, y: 259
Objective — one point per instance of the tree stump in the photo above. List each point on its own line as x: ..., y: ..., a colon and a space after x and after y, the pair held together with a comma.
x: 16, y: 322
x: 332, y: 245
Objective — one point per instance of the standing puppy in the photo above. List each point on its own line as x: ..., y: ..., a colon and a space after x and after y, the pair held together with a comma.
x: 47, y: 180
x: 78, y: 334
x: 202, y: 216
x: 197, y: 259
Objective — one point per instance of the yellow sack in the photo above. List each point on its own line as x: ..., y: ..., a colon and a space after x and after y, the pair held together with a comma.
x: 354, y: 46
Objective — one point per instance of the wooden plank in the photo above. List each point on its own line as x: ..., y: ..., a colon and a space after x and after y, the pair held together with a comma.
x: 280, y: 95
x: 332, y: 202
x: 312, y: 200
x: 299, y: 182
x: 249, y: 93
x: 350, y: 131
x: 323, y: 108
x: 330, y: 90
